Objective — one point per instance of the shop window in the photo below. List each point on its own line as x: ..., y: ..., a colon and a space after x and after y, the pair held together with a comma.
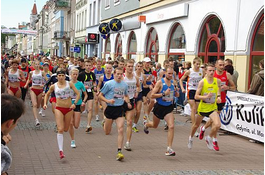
x: 118, y: 46
x: 132, y: 46
x: 212, y: 41
x: 152, y: 46
x: 256, y: 48
x: 177, y: 43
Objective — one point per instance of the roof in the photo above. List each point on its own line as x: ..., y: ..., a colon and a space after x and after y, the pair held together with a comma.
x: 34, y: 9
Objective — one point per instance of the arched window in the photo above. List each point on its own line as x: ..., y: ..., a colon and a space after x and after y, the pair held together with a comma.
x: 107, y: 47
x: 212, y: 40
x: 118, y: 46
x: 152, y: 46
x: 132, y: 46
x: 256, y: 48
x: 177, y: 43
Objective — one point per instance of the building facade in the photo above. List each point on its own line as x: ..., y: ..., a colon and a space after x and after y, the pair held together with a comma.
x: 186, y: 29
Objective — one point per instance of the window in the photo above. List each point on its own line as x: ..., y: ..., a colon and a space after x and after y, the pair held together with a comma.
x: 94, y: 12
x: 118, y: 46
x: 212, y: 41
x: 85, y: 18
x: 177, y: 43
x: 107, y: 3
x: 107, y: 47
x: 132, y: 46
x: 90, y: 15
x: 256, y: 48
x: 98, y: 15
x: 152, y: 46
x: 77, y: 25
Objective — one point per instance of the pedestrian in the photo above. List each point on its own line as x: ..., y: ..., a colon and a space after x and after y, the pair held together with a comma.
x: 163, y: 92
x: 114, y: 93
x: 257, y: 83
x: 12, y: 109
x: 235, y: 74
x: 64, y: 107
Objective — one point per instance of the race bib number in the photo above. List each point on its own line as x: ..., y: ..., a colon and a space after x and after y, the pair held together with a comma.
x: 169, y: 98
x: 118, y: 93
x: 210, y: 100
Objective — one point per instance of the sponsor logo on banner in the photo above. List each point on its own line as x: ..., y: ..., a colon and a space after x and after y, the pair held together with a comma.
x: 226, y: 114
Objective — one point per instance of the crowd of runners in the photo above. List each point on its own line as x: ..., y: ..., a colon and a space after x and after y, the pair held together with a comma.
x: 122, y: 89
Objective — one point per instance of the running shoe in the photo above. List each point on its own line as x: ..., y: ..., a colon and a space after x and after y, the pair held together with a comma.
x: 88, y: 129
x: 196, y: 134
x: 146, y: 117
x: 119, y: 156
x: 73, y: 144
x: 37, y: 123
x: 166, y: 128
x: 170, y: 152
x: 145, y: 127
x: 84, y: 112
x: 135, y: 129
x: 127, y: 146
x: 61, y: 154
x: 102, y: 123
x: 215, y: 146
x: 209, y: 142
x: 97, y: 118
x: 40, y: 112
x: 201, y: 133
x: 190, y: 142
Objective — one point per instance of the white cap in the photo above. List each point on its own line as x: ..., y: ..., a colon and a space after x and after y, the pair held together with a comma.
x: 147, y: 59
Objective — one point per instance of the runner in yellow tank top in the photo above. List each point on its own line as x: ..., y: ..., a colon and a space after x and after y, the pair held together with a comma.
x: 208, y: 93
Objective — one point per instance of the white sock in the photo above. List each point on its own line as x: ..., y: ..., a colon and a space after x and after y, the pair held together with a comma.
x: 60, y: 141
x: 134, y: 125
x: 214, y: 139
x: 190, y: 138
x: 203, y: 128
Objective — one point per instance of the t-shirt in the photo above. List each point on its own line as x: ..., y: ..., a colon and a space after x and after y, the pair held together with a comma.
x: 81, y: 88
x: 116, y: 91
x: 88, y: 79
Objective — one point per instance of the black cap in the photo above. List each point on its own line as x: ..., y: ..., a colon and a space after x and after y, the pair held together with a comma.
x: 23, y: 60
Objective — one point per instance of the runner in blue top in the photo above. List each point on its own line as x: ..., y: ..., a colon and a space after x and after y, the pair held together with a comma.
x: 102, y: 80
x: 163, y: 109
x: 114, y: 93
x: 98, y: 71
x: 75, y: 121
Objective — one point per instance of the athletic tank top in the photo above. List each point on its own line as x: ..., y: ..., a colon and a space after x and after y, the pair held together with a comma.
x: 147, y: 74
x: 168, y: 99
x: 105, y: 79
x: 13, y: 77
x: 141, y: 79
x: 26, y: 75
x: 37, y: 79
x: 131, y: 86
x: 194, y: 79
x: 224, y: 81
x: 209, y: 104
x: 62, y: 93
x: 98, y: 74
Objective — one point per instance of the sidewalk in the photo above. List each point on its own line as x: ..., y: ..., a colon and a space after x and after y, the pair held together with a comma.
x: 36, y: 151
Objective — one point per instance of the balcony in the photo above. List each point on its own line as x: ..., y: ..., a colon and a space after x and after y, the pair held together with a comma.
x: 63, y: 5
x: 61, y: 35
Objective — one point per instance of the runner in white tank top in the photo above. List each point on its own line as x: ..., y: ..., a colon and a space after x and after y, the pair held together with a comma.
x: 133, y: 90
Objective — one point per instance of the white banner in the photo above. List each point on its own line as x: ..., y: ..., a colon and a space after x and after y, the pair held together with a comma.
x: 243, y: 115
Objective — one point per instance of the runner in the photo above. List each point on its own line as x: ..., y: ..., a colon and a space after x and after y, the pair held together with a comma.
x: 139, y: 99
x: 14, y: 76
x: 114, y: 93
x: 102, y: 80
x: 64, y: 107
x: 209, y: 94
x: 98, y: 71
x: 36, y: 89
x: 88, y: 78
x: 194, y: 76
x: 226, y: 84
x: 163, y: 109
x: 133, y: 89
x: 75, y: 119
x: 25, y: 69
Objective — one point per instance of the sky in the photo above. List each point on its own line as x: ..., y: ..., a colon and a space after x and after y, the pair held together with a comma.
x: 17, y: 11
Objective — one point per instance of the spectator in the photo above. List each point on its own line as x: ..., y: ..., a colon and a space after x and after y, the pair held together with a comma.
x: 235, y: 74
x: 11, y: 110
x: 229, y: 69
x: 257, y: 83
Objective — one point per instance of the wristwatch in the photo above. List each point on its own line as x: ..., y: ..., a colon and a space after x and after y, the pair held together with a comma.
x: 163, y: 94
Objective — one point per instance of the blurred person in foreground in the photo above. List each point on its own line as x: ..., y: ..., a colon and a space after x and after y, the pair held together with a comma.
x: 12, y: 110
